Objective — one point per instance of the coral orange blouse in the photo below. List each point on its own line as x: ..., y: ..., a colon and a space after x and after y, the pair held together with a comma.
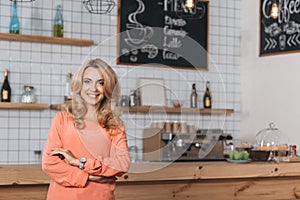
x: 107, y: 156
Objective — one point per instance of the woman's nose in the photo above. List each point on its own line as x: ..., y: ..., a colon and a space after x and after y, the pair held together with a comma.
x: 94, y: 87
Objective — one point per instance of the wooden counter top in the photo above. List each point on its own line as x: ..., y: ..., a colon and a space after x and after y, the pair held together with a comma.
x: 156, y: 171
x: 208, y: 170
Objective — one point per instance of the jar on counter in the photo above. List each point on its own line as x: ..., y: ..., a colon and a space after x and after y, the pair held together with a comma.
x: 28, y: 95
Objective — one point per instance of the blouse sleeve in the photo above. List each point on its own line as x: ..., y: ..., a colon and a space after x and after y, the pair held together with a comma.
x: 56, y: 168
x: 116, y: 164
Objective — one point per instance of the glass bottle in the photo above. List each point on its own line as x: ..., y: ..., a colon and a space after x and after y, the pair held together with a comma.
x: 132, y: 98
x: 5, y: 90
x: 207, y: 97
x: 138, y: 97
x: 14, y: 26
x: 58, y: 29
x: 68, y: 94
x: 194, y: 97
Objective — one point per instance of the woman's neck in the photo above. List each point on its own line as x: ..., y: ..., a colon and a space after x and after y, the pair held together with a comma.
x: 91, y: 114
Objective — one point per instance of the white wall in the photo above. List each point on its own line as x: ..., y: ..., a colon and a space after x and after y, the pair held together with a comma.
x: 45, y: 66
x: 270, y: 85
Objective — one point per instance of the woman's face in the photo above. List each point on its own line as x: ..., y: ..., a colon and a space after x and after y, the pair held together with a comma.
x: 93, y: 86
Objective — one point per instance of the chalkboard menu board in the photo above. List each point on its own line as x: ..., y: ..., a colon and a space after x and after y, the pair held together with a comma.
x: 281, y: 35
x: 163, y: 33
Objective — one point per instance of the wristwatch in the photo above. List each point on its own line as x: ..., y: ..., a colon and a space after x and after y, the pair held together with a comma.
x: 82, y: 161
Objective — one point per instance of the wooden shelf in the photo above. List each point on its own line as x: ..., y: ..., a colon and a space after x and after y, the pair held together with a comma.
x: 161, y: 109
x: 45, y: 39
x: 29, y: 106
x: 55, y: 106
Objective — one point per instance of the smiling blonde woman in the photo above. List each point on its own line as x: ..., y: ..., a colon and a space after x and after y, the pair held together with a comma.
x: 87, y: 146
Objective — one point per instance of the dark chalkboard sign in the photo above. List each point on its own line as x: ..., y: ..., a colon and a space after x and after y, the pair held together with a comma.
x: 281, y: 35
x: 164, y: 33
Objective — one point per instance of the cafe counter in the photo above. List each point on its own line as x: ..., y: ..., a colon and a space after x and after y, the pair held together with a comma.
x: 187, y: 180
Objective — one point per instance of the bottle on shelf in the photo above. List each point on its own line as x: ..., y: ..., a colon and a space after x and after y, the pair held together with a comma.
x: 68, y: 94
x: 194, y: 97
x: 5, y: 90
x: 58, y: 27
x: 138, y: 97
x: 14, y: 26
x: 207, y: 97
x: 132, y: 98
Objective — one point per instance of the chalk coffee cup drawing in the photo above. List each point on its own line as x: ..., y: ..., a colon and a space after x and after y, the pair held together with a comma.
x: 137, y: 34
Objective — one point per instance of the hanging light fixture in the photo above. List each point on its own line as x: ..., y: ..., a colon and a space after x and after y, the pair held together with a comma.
x: 189, y: 4
x: 99, y: 6
x: 25, y: 1
x: 275, y: 9
x: 191, y: 9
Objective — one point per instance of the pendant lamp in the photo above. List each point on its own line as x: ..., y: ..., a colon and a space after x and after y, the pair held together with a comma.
x: 99, y: 6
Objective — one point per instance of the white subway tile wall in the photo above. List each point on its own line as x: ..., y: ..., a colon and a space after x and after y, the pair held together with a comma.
x: 23, y: 132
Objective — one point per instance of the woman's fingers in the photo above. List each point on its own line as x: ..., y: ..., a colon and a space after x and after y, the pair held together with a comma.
x: 58, y: 151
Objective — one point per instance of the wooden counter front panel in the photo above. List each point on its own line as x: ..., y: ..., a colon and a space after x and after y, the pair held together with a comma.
x: 28, y: 192
x: 266, y: 189
x: 178, y: 181
x: 261, y: 189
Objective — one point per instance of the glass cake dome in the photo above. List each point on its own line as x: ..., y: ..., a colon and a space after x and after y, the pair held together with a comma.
x: 271, y: 139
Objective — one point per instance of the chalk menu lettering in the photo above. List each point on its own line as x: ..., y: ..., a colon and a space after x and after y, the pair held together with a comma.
x: 281, y: 35
x: 163, y: 33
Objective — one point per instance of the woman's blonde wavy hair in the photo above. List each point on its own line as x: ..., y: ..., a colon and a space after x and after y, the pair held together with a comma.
x: 106, y: 116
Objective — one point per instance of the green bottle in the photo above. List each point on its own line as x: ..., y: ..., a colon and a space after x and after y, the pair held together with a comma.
x: 14, y: 26
x: 58, y: 29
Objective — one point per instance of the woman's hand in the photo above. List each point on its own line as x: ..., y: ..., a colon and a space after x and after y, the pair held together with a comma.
x: 101, y: 179
x: 65, y: 155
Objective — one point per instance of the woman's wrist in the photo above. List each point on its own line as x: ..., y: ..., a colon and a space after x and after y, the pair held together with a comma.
x: 75, y: 162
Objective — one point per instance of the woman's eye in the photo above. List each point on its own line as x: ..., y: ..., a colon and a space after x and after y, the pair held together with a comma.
x: 86, y: 81
x: 101, y: 83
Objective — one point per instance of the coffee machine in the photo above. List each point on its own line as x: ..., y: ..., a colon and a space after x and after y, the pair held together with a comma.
x: 201, y: 145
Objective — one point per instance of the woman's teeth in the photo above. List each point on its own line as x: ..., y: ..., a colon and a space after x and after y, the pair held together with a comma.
x: 93, y: 95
